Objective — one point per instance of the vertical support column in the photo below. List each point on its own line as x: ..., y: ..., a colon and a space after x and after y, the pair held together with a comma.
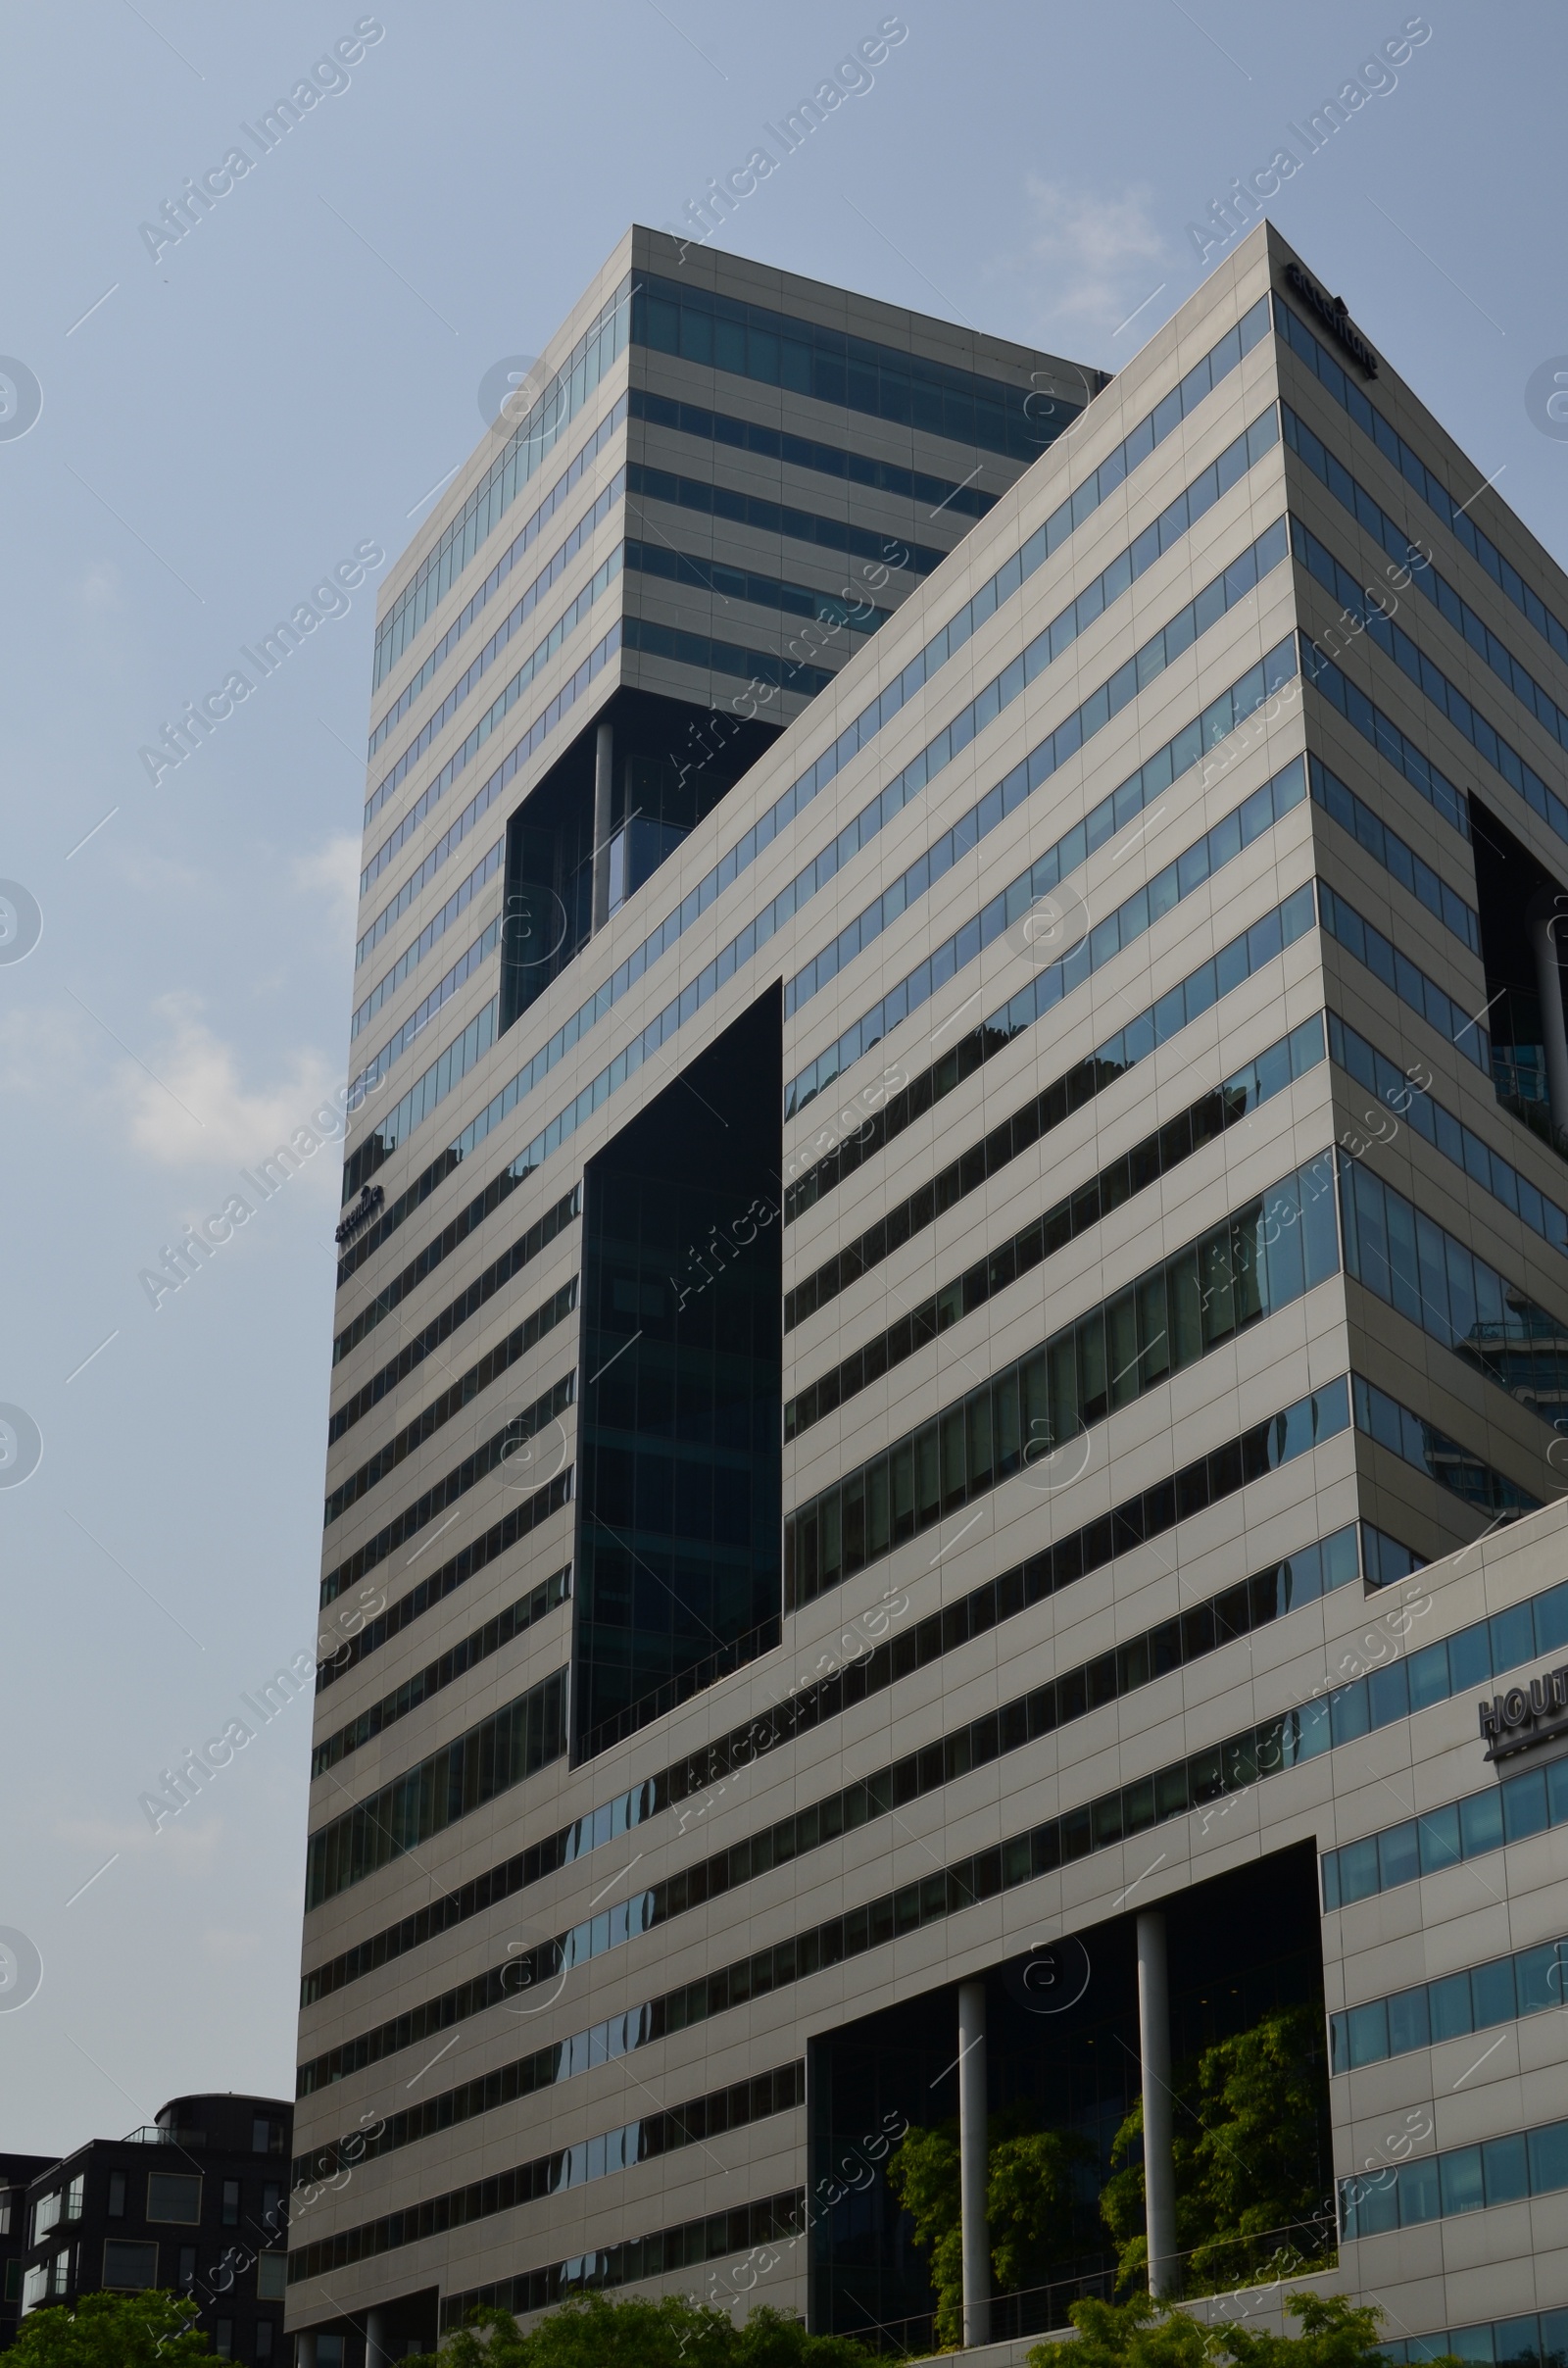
x: 604, y: 806
x: 375, y: 2352
x: 1153, y: 2045
x: 1544, y: 910
x: 972, y: 2163
x: 305, y: 2348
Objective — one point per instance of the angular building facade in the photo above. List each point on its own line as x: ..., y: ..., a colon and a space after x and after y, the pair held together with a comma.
x: 948, y: 1357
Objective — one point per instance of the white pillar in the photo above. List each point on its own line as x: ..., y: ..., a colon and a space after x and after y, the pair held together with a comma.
x: 1543, y: 914
x: 972, y: 2164
x: 375, y: 2351
x: 305, y: 2348
x: 604, y: 803
x: 1154, y: 2044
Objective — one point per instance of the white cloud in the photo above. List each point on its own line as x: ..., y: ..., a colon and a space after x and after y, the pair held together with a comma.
x: 99, y: 586
x: 184, y: 1099
x: 332, y: 870
x: 1093, y: 259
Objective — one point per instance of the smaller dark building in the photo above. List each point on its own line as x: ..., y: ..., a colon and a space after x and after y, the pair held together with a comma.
x: 16, y: 2172
x: 197, y: 2203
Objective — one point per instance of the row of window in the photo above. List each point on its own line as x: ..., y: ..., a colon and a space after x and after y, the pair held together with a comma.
x: 805, y: 452
x: 1416, y: 1266
x: 433, y: 1334
x: 457, y: 1396
x: 1471, y: 627
x: 581, y: 534
x: 521, y: 543
x: 513, y: 1743
x: 1024, y: 1418
x: 130, y: 2266
x: 506, y: 699
x: 1416, y: 472
x: 1432, y: 1453
x: 1437, y: 1126
x: 750, y: 341
x: 409, y: 961
x: 1429, y: 679
x: 1244, y: 697
x: 758, y: 591
x: 486, y: 796
x: 441, y: 1246
x: 1204, y: 1628
x: 645, y: 2140
x: 701, y: 652
x: 1037, y: 654
x: 1201, y: 1123
x: 1461, y: 2179
x: 1384, y: 735
x: 1471, y: 1828
x: 1209, y: 371
x: 892, y: 553
x: 530, y: 444
x: 509, y: 1446
x: 1378, y: 954
x: 1385, y: 846
x: 870, y: 1669
x: 1532, y: 2341
x: 436, y: 1675
x: 1476, y: 1998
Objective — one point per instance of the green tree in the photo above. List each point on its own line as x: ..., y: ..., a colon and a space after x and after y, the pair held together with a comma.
x: 1141, y: 2333
x: 593, y: 2332
x: 1029, y: 2197
x: 153, y: 2330
x: 1246, y: 2146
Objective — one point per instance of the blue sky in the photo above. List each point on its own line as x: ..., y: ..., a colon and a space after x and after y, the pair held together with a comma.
x: 227, y: 420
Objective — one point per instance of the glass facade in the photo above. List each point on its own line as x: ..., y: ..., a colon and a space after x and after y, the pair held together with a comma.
x: 678, y: 1501
x: 800, y: 355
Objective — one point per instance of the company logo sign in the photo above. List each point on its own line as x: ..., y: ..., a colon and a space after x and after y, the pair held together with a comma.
x: 1331, y: 311
x: 1526, y: 1715
x: 364, y: 1208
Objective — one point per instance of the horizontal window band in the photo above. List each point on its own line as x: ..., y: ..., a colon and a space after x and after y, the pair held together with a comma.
x: 1237, y: 584
x: 1436, y: 1124
x: 1432, y: 1453
x: 952, y: 636
x: 1478, y: 1998
x: 709, y: 500
x: 439, y: 1329
x: 500, y: 1753
x: 801, y: 452
x: 516, y: 616
x: 645, y: 2140
x: 1204, y: 1628
x: 1022, y: 1422
x: 521, y: 543
x: 1409, y: 466
x: 779, y: 2220
x: 527, y: 449
x: 437, y: 1675
x: 867, y: 1667
x: 1429, y: 581
x: 458, y: 1397
x: 1235, y: 1764
x: 456, y: 1484
x: 1181, y: 1138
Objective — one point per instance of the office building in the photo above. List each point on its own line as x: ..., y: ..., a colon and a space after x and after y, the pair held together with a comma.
x: 195, y: 2204
x: 949, y: 1338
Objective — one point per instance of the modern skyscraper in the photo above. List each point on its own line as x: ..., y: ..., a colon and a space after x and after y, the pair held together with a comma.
x: 1028, y: 1199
